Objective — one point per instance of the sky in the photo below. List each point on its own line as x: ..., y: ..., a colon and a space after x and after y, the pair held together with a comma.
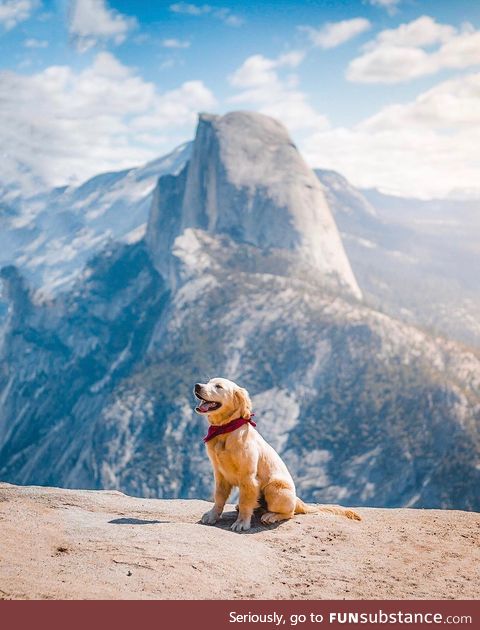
x: 386, y: 92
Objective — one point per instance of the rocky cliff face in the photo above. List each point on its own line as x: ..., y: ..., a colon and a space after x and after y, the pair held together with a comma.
x: 96, y: 381
x: 246, y: 180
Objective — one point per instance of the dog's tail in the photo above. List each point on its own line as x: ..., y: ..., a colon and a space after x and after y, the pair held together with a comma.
x: 303, y: 508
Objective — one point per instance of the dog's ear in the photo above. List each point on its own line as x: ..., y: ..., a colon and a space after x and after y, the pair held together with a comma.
x: 242, y: 399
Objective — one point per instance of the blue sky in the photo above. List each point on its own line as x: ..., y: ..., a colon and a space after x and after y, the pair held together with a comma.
x: 385, y: 91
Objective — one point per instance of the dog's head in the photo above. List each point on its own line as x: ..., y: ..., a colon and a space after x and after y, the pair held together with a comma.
x: 222, y: 400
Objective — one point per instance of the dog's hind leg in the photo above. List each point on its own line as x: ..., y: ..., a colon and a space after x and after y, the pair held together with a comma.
x: 280, y: 498
x: 261, y: 506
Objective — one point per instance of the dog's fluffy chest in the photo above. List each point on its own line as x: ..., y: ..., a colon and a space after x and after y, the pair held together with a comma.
x: 227, y: 459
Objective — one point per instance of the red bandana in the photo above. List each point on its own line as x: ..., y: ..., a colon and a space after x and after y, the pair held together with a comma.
x: 214, y: 430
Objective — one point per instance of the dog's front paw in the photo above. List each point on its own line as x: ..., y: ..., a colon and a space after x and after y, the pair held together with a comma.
x: 241, y: 525
x: 210, y: 517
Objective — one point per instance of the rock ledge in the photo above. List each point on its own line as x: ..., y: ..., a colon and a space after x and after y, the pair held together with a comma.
x: 79, y: 544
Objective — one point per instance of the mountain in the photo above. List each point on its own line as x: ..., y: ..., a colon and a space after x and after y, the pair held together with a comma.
x: 416, y: 260
x: 242, y: 274
x: 51, y: 235
x: 247, y: 181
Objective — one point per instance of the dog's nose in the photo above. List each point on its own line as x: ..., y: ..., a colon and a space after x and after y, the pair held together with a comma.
x: 198, y: 387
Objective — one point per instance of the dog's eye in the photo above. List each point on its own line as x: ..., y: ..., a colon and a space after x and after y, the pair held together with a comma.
x: 218, y: 386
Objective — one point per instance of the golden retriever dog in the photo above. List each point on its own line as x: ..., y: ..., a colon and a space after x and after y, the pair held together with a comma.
x: 242, y: 458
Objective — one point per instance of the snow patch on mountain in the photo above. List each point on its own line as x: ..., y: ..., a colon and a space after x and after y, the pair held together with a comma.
x: 52, y: 235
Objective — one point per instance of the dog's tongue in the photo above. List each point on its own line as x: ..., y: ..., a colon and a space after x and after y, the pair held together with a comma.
x: 206, y: 406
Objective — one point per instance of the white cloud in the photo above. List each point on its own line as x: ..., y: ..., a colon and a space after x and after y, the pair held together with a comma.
x: 391, y: 6
x: 12, y: 12
x: 176, y: 108
x: 190, y: 9
x: 260, y: 71
x: 175, y: 43
x: 35, y: 43
x: 61, y: 125
x: 332, y: 34
x: 406, y: 52
x: 220, y: 13
x: 167, y: 63
x: 263, y: 84
x: 291, y: 59
x: 424, y: 148
x: 449, y: 105
x: 92, y: 21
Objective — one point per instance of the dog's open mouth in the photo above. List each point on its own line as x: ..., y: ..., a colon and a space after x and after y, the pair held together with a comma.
x: 207, y: 406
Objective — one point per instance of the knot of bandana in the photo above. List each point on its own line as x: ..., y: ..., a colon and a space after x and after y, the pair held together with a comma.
x: 214, y: 430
